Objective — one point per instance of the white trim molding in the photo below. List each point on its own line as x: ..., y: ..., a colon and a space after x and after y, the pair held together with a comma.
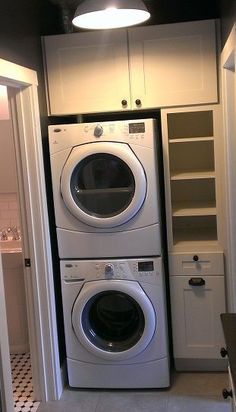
x: 23, y: 99
x: 228, y: 67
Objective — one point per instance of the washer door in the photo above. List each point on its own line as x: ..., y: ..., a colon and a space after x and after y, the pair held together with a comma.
x: 103, y: 184
x: 113, y: 319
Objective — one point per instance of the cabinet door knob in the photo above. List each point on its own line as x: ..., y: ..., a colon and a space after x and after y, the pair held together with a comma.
x: 195, y: 258
x: 138, y: 102
x: 196, y: 282
x: 124, y: 102
x: 227, y: 393
x: 223, y: 352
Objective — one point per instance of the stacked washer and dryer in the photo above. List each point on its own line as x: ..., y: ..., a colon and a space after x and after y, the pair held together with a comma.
x: 107, y: 210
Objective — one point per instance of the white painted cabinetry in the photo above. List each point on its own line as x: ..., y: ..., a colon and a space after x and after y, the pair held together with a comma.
x: 197, y: 300
x: 139, y: 68
x: 231, y: 385
x: 173, y: 64
x: 87, y: 72
x: 193, y: 147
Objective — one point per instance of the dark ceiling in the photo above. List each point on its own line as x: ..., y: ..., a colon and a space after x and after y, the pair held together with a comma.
x: 162, y: 12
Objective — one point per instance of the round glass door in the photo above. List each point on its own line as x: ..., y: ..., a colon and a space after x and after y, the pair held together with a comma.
x: 113, y: 319
x: 103, y: 184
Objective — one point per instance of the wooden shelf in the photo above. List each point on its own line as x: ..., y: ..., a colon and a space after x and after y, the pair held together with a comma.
x: 190, y: 139
x: 184, y: 236
x: 192, y: 174
x: 194, y: 209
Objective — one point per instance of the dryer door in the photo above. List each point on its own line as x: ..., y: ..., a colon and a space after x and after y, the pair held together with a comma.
x: 113, y: 319
x: 103, y: 184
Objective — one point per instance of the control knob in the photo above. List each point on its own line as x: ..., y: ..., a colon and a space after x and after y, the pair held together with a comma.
x: 109, y: 270
x: 98, y: 131
x: 227, y: 393
x: 223, y: 352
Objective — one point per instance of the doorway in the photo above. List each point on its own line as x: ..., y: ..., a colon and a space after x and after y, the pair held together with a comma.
x: 23, y: 100
x: 12, y: 248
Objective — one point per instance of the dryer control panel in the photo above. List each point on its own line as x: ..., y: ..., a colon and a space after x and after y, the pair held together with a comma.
x: 141, y: 132
x: 148, y: 270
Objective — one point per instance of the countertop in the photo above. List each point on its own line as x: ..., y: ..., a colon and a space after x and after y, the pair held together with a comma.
x: 229, y: 327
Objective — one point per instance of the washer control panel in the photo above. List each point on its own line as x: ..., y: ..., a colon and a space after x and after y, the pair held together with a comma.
x: 143, y: 270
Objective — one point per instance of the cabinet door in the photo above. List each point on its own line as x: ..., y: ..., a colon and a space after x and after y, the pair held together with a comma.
x: 173, y: 64
x: 87, y: 72
x: 197, y: 331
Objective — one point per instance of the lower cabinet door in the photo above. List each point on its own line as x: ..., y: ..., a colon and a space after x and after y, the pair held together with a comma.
x: 196, y: 305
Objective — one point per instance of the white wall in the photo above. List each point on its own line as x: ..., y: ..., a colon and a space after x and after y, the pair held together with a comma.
x: 9, y: 205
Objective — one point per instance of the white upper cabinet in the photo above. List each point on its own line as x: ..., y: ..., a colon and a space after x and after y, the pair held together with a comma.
x: 173, y: 64
x: 139, y: 68
x: 87, y: 72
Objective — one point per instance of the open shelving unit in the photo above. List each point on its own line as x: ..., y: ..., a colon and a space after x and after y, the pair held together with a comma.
x: 190, y: 174
x: 192, y: 198
x: 194, y: 175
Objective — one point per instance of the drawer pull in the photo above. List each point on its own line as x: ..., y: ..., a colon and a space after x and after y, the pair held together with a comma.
x: 195, y: 258
x: 196, y: 282
x: 124, y: 102
x: 227, y: 393
x: 223, y: 352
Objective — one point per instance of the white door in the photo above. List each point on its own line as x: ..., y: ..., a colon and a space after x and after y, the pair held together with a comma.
x: 103, y: 184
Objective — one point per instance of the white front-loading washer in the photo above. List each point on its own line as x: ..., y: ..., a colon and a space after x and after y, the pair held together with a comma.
x: 115, y: 323
x: 106, y: 189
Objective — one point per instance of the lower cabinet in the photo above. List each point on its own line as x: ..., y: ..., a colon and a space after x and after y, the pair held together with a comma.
x: 197, y: 300
x: 231, y: 392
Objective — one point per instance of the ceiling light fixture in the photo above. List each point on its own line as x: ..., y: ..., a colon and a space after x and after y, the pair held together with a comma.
x: 110, y: 14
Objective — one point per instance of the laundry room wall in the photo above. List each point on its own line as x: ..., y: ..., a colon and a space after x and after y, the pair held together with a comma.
x: 228, y: 18
x: 21, y: 25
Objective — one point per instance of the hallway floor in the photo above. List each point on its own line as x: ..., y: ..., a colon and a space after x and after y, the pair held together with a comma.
x: 22, y: 383
x: 189, y: 392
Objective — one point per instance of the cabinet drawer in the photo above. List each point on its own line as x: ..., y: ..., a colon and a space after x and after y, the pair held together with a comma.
x: 196, y: 264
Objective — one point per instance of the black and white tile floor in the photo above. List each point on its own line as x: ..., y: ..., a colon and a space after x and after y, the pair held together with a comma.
x: 22, y: 383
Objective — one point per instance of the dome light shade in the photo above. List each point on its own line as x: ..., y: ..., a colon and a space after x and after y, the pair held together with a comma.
x: 110, y: 14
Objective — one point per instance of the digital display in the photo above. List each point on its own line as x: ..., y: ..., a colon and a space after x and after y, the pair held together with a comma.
x: 137, y: 127
x: 146, y: 266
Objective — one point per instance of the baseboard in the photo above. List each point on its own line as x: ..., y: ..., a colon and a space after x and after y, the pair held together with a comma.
x: 198, y: 365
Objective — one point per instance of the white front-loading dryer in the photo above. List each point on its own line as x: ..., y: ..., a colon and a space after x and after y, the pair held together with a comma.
x: 106, y: 189
x: 115, y: 323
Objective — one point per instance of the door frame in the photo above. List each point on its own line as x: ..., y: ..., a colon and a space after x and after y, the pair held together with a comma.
x: 228, y: 81
x: 39, y: 277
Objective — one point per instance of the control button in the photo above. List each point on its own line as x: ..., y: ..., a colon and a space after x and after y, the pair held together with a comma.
x: 98, y: 131
x: 109, y: 270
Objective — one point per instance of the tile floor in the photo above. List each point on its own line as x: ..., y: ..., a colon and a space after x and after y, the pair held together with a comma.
x: 189, y: 392
x: 22, y: 384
